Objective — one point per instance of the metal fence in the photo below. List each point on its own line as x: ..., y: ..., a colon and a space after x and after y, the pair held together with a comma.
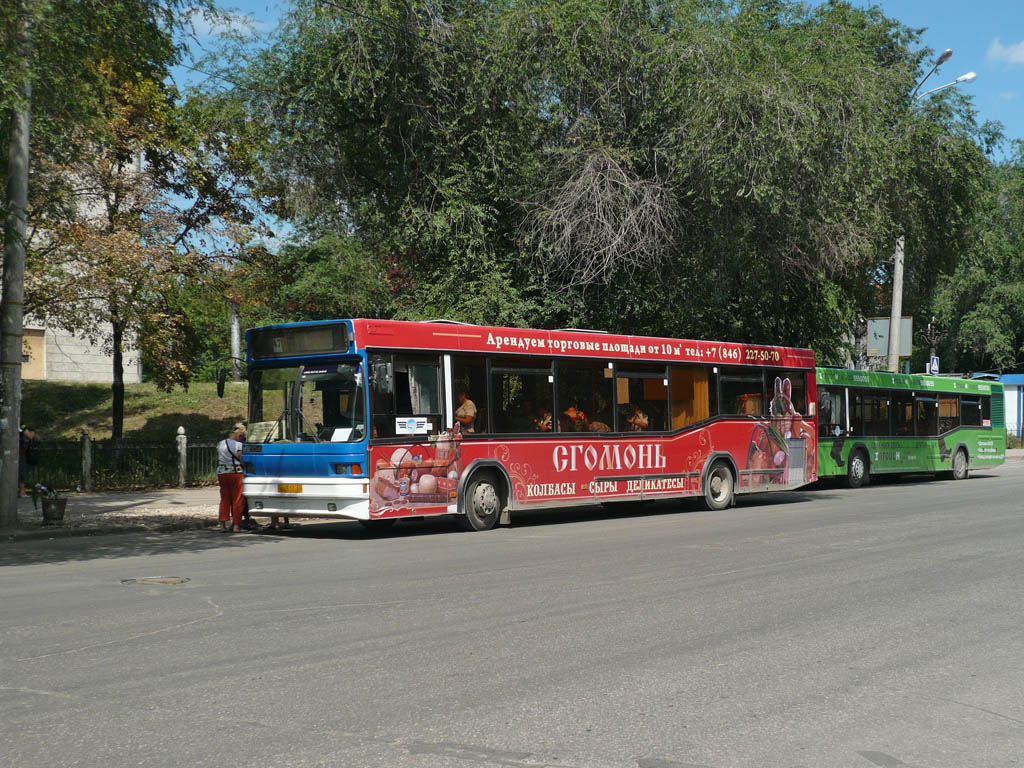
x: 106, y: 465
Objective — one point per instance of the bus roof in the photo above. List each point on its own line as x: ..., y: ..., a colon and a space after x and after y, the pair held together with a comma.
x: 458, y: 337
x: 889, y: 380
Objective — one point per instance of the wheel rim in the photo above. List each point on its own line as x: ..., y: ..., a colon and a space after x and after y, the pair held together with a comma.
x: 959, y: 463
x: 718, y: 485
x: 485, y: 500
x: 857, y: 467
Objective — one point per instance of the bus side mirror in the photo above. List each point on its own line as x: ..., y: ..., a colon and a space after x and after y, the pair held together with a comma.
x: 382, y: 376
x: 222, y: 377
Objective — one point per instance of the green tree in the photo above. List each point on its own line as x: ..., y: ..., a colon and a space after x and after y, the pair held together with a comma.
x: 57, y: 60
x: 981, y: 304
x: 607, y: 163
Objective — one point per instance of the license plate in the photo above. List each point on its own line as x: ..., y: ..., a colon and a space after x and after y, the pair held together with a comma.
x: 289, y: 488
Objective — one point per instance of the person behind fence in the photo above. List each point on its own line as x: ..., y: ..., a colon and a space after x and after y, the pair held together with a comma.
x: 25, y: 456
x: 229, y: 478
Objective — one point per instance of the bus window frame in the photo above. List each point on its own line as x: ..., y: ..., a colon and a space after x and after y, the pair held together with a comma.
x: 617, y: 373
x: 724, y: 372
x: 390, y: 355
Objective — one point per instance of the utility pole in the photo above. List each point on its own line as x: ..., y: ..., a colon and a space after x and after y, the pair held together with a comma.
x: 897, y: 306
x: 12, y: 301
x: 236, y: 344
x: 897, y: 257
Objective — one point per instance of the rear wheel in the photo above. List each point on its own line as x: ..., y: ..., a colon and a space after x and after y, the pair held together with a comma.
x: 719, y: 487
x: 960, y: 464
x: 482, y: 504
x: 857, y: 473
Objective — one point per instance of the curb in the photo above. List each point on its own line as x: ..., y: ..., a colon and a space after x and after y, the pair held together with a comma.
x: 56, y: 532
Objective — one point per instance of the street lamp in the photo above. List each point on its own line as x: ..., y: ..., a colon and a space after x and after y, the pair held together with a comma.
x: 969, y: 77
x: 897, y: 257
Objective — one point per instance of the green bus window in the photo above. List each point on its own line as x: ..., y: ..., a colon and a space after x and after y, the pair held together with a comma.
x: 949, y: 414
x: 869, y: 414
x: 831, y: 411
x: 902, y: 407
x: 986, y: 411
x: 970, y: 411
x: 926, y: 413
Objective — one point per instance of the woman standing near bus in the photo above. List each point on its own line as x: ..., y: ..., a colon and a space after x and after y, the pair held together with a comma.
x: 229, y: 478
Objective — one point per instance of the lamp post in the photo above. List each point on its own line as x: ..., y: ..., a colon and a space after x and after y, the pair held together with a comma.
x: 896, y: 312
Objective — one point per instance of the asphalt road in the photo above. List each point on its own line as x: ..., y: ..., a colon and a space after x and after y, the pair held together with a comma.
x: 878, y: 627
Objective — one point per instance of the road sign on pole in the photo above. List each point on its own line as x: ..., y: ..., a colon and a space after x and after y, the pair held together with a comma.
x: 933, y: 365
x: 878, y: 336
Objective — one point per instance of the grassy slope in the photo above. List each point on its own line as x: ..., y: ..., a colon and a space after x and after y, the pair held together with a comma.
x: 60, y: 411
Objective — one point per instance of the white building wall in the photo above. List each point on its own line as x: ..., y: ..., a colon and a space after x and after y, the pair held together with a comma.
x: 1012, y: 396
x: 72, y: 358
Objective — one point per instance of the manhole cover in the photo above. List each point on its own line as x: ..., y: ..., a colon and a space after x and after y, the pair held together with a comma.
x: 156, y: 580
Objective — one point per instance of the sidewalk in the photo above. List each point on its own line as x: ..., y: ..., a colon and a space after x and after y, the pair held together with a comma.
x: 166, y: 509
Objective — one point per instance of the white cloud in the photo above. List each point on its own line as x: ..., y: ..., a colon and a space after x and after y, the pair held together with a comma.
x: 1008, y: 95
x: 1009, y: 54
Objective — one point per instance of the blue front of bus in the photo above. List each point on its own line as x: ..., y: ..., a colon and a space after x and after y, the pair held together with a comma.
x: 306, y: 449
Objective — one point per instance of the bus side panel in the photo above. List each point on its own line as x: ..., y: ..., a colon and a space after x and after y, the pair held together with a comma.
x: 985, y: 448
x: 422, y: 479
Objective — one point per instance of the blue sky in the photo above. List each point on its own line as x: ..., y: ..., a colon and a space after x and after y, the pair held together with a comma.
x: 987, y: 37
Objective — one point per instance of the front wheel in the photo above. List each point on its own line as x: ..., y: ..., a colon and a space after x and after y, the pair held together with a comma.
x: 857, y: 473
x: 960, y: 464
x: 718, y: 487
x: 482, y: 504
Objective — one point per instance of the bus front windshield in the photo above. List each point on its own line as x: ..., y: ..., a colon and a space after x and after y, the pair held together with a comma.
x: 322, y: 403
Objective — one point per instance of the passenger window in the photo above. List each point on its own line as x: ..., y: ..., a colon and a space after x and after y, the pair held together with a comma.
x: 831, y: 411
x: 523, y: 395
x: 585, y: 397
x: 949, y: 414
x: 870, y: 414
x: 743, y: 392
x: 970, y: 411
x: 926, y: 412
x: 641, y: 398
x: 470, y: 376
x: 690, y: 395
x: 902, y: 414
x: 795, y: 391
x: 413, y: 407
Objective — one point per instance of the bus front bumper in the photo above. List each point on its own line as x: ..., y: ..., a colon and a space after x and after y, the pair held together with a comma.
x: 308, y: 497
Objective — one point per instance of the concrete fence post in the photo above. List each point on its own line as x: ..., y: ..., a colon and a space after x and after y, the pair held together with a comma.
x: 182, y: 457
x: 86, y: 460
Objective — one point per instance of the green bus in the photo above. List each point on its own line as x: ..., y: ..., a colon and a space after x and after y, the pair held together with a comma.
x: 873, y: 422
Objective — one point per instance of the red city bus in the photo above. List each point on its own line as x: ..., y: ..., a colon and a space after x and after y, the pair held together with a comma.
x: 478, y: 421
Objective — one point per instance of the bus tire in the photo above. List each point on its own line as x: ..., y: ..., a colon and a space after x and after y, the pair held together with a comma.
x: 857, y: 472
x: 719, y: 487
x: 482, y: 504
x: 959, y: 465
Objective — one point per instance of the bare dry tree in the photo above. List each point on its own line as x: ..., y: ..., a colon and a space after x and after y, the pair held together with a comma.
x: 597, y: 218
